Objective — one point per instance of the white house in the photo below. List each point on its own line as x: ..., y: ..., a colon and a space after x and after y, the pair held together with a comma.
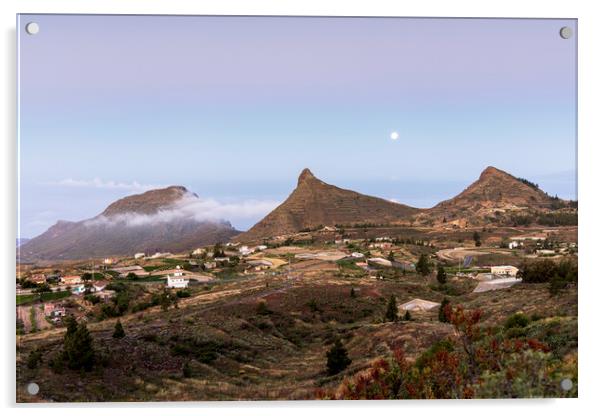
x: 245, y: 250
x: 78, y: 289
x: 139, y: 255
x: 198, y: 252
x: 504, y: 270
x: 513, y: 244
x: 210, y: 265
x: 357, y: 255
x: 177, y: 280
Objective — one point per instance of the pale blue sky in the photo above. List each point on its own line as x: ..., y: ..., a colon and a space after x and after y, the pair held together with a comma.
x: 234, y: 108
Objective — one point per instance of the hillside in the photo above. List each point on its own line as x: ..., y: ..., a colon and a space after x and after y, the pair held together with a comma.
x: 315, y: 203
x: 149, y: 222
x: 495, y: 197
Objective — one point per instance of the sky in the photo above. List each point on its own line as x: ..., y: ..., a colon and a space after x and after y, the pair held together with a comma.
x: 234, y: 108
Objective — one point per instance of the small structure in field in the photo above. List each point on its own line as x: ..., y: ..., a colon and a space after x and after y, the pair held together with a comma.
x: 54, y: 310
x: 379, y: 261
x: 504, y: 270
x: 245, y: 250
x: 71, y: 280
x: 99, y: 285
x: 139, y: 256
x: 210, y: 265
x: 419, y: 305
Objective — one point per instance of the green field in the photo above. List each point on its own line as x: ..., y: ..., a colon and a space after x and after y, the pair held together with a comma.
x: 25, y: 299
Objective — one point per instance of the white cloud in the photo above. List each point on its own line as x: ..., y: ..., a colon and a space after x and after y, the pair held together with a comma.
x: 193, y: 208
x: 101, y: 184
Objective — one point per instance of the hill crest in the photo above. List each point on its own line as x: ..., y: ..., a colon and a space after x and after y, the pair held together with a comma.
x: 315, y: 203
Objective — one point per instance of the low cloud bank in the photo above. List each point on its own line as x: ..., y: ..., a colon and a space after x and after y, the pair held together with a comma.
x: 195, y: 209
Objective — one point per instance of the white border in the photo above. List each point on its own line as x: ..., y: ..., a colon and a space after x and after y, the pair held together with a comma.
x: 590, y: 68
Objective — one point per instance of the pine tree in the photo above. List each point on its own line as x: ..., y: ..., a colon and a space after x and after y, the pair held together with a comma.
x: 391, y: 312
x: 477, y: 239
x: 407, y: 316
x: 336, y: 358
x: 391, y: 256
x: 442, y: 310
x: 423, y: 266
x: 352, y: 293
x: 441, y: 275
x: 78, y: 351
x: 119, y: 332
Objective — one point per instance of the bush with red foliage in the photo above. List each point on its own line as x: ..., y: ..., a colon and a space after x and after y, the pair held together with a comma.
x: 457, y: 368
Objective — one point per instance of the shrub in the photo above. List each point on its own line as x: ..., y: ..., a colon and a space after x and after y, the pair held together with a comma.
x: 444, y: 310
x: 313, y: 306
x: 183, y: 293
x: 34, y: 358
x: 518, y: 320
x: 336, y: 358
x: 119, y: 332
x: 441, y: 275
x: 557, y: 275
x: 262, y: 308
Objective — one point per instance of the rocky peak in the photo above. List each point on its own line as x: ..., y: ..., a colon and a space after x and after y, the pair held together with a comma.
x: 305, y: 176
x: 492, y: 172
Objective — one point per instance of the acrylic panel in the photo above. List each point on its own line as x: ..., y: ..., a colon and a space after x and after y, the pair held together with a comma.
x: 295, y: 208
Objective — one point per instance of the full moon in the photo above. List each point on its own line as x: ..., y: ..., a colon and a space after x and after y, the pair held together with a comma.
x: 394, y: 135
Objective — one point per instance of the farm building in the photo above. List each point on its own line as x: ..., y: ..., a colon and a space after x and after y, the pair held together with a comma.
x: 504, y: 270
x: 37, y: 278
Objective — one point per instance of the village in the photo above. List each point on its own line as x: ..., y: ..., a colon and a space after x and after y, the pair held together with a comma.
x: 83, y: 289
